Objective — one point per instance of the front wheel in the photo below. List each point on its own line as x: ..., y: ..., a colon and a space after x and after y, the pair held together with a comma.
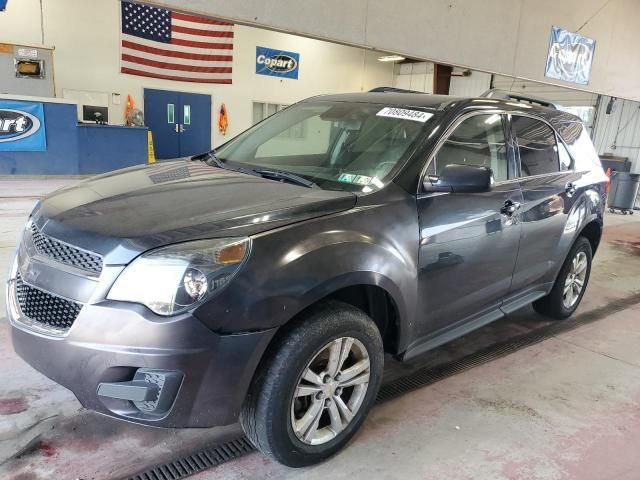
x: 316, y: 387
x: 570, y: 285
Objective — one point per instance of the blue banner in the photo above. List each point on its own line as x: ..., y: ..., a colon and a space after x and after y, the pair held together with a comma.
x: 22, y: 127
x: 3, y: 4
x: 277, y: 63
x: 570, y: 56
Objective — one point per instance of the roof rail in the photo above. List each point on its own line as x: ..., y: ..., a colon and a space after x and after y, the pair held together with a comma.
x: 505, y: 95
x: 393, y: 90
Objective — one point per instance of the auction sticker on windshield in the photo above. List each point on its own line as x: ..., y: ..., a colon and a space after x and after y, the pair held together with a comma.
x: 356, y: 179
x: 405, y: 114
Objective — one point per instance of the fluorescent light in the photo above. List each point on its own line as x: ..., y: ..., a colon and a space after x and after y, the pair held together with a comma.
x: 492, y: 119
x: 391, y: 58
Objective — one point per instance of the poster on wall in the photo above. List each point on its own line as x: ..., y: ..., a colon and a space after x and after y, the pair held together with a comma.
x: 22, y: 127
x: 570, y: 56
x: 277, y: 63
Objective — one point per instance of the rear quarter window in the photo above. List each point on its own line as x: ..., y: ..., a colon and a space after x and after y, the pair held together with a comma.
x: 580, y: 145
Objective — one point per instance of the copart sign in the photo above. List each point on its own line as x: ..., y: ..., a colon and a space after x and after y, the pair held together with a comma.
x: 277, y: 63
x: 22, y: 127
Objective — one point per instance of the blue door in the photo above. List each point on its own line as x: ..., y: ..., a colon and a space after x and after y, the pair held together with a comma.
x: 195, y: 124
x: 180, y: 122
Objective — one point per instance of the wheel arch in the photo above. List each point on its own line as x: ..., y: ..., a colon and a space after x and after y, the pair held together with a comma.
x: 592, y: 231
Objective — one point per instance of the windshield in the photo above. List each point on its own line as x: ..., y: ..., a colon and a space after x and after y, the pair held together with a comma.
x: 337, y: 145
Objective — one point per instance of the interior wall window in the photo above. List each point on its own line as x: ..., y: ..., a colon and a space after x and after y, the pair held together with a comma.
x: 478, y: 140
x: 537, y: 146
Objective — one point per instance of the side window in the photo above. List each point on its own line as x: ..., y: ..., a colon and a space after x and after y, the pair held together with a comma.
x: 537, y: 146
x: 478, y: 140
x: 566, y: 162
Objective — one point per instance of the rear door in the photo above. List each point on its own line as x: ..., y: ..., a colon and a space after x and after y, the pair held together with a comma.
x: 547, y: 180
x: 468, y: 242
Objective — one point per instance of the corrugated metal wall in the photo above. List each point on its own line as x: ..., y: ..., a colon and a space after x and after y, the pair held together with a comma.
x: 619, y: 133
x: 414, y: 76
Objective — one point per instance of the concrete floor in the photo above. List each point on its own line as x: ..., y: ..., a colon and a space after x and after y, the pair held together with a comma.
x: 568, y: 407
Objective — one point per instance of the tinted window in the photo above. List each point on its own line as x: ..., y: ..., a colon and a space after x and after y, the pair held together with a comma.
x: 566, y: 162
x: 478, y: 140
x: 537, y: 146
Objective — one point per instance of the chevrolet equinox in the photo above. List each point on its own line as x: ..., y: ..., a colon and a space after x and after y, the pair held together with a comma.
x: 266, y: 280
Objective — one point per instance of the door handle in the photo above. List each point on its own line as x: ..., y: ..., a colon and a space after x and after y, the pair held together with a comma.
x: 181, y: 128
x: 570, y: 189
x: 177, y: 128
x: 510, y: 207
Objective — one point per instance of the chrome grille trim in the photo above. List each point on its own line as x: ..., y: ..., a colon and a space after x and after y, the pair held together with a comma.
x: 64, y: 253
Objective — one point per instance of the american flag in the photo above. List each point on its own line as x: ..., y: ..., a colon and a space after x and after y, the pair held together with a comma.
x: 161, y: 43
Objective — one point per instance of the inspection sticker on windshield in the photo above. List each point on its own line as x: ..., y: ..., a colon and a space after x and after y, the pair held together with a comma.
x: 357, y: 179
x: 405, y: 114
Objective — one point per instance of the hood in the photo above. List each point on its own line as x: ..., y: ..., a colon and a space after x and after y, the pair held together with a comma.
x: 124, y: 213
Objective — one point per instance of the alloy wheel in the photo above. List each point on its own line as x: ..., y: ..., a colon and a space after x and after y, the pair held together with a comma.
x: 574, y: 283
x: 330, y: 391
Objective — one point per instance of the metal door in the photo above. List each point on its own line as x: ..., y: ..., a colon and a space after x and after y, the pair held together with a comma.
x: 180, y: 122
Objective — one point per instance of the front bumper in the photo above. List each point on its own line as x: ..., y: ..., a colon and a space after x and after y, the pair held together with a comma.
x: 110, y: 343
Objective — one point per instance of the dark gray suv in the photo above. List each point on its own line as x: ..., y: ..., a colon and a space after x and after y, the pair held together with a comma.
x: 266, y: 280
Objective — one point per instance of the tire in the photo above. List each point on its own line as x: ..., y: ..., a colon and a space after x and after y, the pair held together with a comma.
x: 555, y: 304
x: 269, y: 411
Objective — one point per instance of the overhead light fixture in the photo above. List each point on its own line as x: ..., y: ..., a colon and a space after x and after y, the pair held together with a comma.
x: 391, y: 58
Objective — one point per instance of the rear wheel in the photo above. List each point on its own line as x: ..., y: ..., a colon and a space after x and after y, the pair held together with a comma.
x: 315, y: 389
x: 570, y: 285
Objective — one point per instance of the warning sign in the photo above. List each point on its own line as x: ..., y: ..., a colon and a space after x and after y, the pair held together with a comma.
x: 151, y: 154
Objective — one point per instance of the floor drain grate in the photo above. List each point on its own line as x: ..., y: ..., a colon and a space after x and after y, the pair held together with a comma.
x: 216, y: 455
x: 197, y: 462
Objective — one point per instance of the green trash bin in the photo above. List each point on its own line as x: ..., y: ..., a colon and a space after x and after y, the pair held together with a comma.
x: 623, y: 192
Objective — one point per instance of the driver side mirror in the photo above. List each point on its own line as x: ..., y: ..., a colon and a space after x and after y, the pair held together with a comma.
x: 460, y: 179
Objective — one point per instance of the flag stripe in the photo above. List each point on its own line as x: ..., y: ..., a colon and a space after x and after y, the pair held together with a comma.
x: 174, y: 73
x: 189, y: 43
x: 133, y: 71
x: 202, y: 26
x: 193, y: 18
x: 175, y: 54
x: 205, y: 33
x: 174, y: 48
x: 174, y: 66
x: 198, y: 38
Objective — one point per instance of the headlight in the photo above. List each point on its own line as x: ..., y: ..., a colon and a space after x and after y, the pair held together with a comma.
x: 173, y: 279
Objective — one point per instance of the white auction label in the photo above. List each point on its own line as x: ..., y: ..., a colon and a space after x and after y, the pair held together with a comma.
x: 405, y: 114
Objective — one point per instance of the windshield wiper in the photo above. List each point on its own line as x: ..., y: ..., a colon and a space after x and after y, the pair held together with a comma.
x: 282, y: 175
x: 210, y: 158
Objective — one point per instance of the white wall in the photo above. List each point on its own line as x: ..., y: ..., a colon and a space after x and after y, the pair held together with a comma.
x: 85, y: 34
x: 509, y: 37
x: 472, y: 86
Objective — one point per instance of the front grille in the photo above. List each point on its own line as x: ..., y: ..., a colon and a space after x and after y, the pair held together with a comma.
x: 63, y: 253
x: 46, y: 309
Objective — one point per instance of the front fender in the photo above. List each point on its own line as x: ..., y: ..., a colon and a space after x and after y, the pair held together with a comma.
x: 293, y: 267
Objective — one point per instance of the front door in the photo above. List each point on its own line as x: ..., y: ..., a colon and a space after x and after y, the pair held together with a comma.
x: 180, y: 122
x: 468, y: 243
